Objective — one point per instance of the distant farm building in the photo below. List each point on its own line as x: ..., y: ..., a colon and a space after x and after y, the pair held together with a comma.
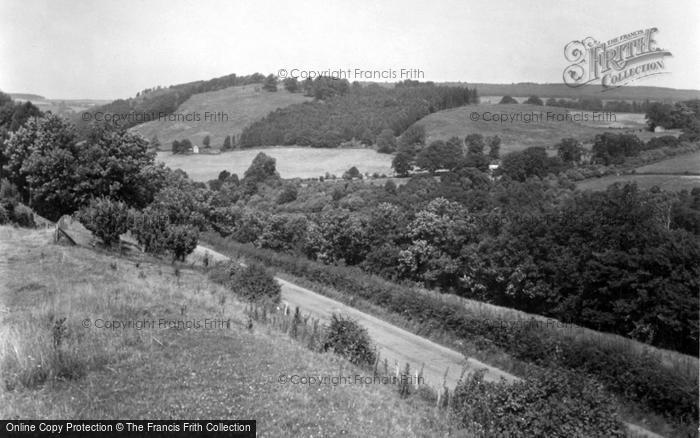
x: 195, y: 149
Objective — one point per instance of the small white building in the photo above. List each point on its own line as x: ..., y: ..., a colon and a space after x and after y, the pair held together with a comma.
x: 492, y: 170
x: 195, y: 149
x: 659, y: 129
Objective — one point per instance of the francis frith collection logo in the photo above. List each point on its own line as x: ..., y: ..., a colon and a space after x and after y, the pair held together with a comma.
x: 615, y: 62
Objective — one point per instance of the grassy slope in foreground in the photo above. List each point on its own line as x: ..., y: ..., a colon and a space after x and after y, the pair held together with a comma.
x: 518, y: 135
x: 292, y: 162
x: 242, y: 105
x: 166, y: 373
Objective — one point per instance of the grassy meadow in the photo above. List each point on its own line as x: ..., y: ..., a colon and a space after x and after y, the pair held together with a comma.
x: 673, y: 174
x: 671, y: 183
x: 242, y: 105
x: 292, y: 162
x: 518, y: 135
x: 681, y: 165
x: 53, y: 368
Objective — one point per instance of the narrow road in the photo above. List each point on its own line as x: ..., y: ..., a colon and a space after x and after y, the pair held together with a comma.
x: 394, y: 343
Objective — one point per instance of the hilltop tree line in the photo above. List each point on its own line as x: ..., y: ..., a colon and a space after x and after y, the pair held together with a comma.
x: 595, y: 104
x: 342, y: 112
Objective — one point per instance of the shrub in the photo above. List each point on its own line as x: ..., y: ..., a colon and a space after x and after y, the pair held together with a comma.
x: 181, y: 241
x: 612, y: 148
x: 289, y: 194
x: 352, y: 173
x: 663, y: 141
x: 8, y: 191
x: 23, y: 216
x: 150, y: 227
x: 158, y: 235
x: 349, y: 339
x: 551, y: 403
x: 255, y: 283
x: 534, y: 100
x: 106, y: 219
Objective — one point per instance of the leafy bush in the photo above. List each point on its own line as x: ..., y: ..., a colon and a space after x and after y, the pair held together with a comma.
x: 107, y: 219
x: 352, y: 173
x: 150, y: 227
x: 664, y: 141
x: 612, y: 148
x: 23, y: 216
x: 8, y: 191
x: 551, y: 403
x: 255, y: 283
x: 153, y: 230
x: 289, y: 194
x: 349, y: 339
x: 534, y: 100
x: 181, y: 241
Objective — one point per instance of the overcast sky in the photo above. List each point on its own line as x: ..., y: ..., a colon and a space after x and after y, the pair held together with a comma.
x: 107, y: 50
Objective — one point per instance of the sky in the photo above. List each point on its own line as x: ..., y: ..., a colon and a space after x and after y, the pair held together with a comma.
x: 71, y: 49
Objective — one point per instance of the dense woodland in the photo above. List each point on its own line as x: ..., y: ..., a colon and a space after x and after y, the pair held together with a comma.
x: 342, y: 112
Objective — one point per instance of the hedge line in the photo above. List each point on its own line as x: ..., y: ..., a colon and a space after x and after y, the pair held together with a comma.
x: 640, y: 378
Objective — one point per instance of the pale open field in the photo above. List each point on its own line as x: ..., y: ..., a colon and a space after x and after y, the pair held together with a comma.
x: 681, y: 164
x: 242, y: 106
x: 540, y: 130
x: 292, y: 162
x: 673, y: 174
x: 664, y: 182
